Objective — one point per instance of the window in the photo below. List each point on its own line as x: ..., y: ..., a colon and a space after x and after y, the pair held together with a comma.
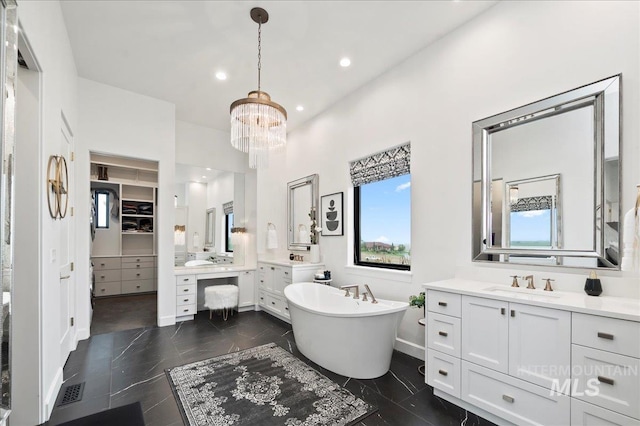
x: 102, y: 210
x: 228, y: 221
x: 382, y: 209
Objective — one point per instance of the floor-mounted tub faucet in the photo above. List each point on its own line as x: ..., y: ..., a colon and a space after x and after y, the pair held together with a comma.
x: 357, y: 293
x: 373, y: 298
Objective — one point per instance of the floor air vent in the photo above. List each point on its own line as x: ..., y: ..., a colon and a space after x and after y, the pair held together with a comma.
x: 72, y: 393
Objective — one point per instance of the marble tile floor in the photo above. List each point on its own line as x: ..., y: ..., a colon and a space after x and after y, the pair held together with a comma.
x: 124, y: 313
x: 122, y: 367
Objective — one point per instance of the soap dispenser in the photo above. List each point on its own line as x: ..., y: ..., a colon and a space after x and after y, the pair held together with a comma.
x: 592, y: 286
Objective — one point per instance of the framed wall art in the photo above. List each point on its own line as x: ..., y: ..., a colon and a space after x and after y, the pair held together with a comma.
x: 332, y: 214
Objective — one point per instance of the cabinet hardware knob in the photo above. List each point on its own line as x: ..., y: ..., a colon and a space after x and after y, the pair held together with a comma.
x: 137, y: 260
x: 273, y: 269
x: 186, y: 310
x: 186, y: 289
x: 262, y: 298
x: 442, y: 303
x: 606, y: 380
x: 185, y: 279
x: 137, y: 286
x: 102, y: 276
x: 186, y: 300
x: 605, y: 336
x: 443, y: 333
x: 508, y: 398
x: 502, y: 311
x: 443, y: 372
x: 102, y: 264
x: 513, y: 313
x: 137, y: 266
x: 102, y: 289
x: 137, y: 275
x: 286, y: 309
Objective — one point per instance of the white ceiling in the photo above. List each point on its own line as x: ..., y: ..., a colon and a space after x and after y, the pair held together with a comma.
x: 171, y: 50
x: 188, y: 173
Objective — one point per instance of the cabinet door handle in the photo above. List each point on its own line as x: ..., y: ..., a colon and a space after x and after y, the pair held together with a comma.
x: 185, y: 279
x: 262, y: 298
x: 502, y: 311
x: 138, y: 274
x: 186, y: 310
x: 443, y: 372
x: 137, y: 260
x: 137, y: 266
x: 513, y: 313
x: 605, y: 380
x: 102, y: 289
x: 273, y: 269
x: 442, y: 303
x: 273, y: 303
x: 137, y: 286
x: 102, y: 276
x: 185, y: 290
x: 508, y: 398
x: 286, y: 309
x: 605, y: 336
x: 443, y: 333
x: 186, y: 300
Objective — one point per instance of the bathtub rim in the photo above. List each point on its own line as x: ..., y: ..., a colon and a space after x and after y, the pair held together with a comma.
x: 403, y: 305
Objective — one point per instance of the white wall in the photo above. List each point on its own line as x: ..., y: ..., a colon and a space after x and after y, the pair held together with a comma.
x: 513, y: 54
x: 35, y: 384
x: 118, y: 122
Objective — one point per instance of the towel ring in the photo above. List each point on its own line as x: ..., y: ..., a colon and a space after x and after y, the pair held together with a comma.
x: 271, y: 226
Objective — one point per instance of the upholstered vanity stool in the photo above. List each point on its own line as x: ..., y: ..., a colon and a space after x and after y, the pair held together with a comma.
x: 223, y: 297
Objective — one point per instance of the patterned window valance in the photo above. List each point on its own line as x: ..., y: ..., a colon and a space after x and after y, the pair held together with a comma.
x: 382, y: 165
x: 527, y: 204
x: 228, y: 207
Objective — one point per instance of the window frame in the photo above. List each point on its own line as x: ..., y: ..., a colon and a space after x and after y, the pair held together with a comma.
x: 356, y: 245
x: 227, y: 233
x: 97, y: 208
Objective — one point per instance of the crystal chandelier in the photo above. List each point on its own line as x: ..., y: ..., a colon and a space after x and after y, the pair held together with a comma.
x: 258, y: 125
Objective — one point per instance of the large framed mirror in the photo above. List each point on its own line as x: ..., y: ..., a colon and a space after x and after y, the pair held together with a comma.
x: 546, y: 181
x: 302, y: 202
x: 210, y: 228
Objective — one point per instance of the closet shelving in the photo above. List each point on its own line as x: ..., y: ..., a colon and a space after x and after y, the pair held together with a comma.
x: 127, y: 250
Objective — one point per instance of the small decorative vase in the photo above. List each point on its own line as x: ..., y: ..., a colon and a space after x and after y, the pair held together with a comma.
x: 593, y: 286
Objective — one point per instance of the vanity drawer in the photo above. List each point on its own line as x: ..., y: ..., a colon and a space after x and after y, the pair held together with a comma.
x: 138, y: 265
x: 186, y: 310
x: 102, y: 263
x: 618, y: 388
x: 186, y: 299
x: 185, y: 279
x: 262, y: 298
x: 137, y: 274
x: 138, y: 259
x: 107, y: 289
x: 443, y: 372
x: 274, y: 303
x: 107, y: 275
x: 444, y: 303
x: 583, y: 414
x: 186, y: 289
x: 137, y: 286
x: 514, y: 400
x: 443, y: 333
x: 609, y: 334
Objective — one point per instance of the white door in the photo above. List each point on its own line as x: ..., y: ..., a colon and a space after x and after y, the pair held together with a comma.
x: 485, y: 332
x: 66, y: 251
x: 539, y: 344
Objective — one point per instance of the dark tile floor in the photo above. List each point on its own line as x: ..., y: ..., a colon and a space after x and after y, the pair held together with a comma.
x: 124, y: 313
x: 127, y: 366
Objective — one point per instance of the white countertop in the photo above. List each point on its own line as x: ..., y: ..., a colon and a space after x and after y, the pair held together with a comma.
x: 615, y: 307
x: 213, y: 269
x: 293, y: 264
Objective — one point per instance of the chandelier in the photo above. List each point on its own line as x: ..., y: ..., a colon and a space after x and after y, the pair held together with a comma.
x: 258, y: 125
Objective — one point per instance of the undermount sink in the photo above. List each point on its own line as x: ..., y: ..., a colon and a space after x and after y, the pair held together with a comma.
x: 522, y: 292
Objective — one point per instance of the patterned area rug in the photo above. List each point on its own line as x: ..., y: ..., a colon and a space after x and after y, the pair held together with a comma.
x: 265, y: 385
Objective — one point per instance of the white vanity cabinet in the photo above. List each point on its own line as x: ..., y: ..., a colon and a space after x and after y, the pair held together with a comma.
x: 274, y: 276
x: 186, y: 297
x: 246, y: 289
x: 534, y: 358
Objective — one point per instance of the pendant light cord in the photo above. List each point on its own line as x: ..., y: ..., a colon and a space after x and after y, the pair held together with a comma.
x: 259, y: 51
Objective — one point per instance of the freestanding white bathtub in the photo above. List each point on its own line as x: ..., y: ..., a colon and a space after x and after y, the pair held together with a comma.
x: 344, y: 335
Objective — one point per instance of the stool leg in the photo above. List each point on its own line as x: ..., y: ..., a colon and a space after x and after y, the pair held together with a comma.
x: 225, y: 314
x: 210, y: 312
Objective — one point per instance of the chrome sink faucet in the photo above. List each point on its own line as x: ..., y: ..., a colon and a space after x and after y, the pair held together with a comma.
x: 530, y: 285
x: 357, y: 292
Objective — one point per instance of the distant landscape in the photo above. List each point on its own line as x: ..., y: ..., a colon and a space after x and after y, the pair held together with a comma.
x: 377, y: 252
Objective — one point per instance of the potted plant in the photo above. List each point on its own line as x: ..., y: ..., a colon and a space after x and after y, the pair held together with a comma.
x: 417, y: 301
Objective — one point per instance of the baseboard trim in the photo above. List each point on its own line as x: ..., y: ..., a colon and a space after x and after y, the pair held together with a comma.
x: 409, y: 348
x: 166, y: 320
x: 52, y: 394
x: 82, y: 334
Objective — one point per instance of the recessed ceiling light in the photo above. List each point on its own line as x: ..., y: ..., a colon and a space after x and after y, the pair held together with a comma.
x: 221, y: 75
x: 204, y: 177
x: 208, y: 169
x: 299, y: 108
x: 345, y: 62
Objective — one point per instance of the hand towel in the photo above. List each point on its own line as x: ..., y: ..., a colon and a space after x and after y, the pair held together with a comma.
x: 272, y: 239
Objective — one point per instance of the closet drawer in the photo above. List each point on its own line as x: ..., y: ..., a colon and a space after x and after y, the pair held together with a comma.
x: 444, y: 303
x: 187, y: 299
x: 618, y: 388
x: 137, y: 274
x: 138, y: 265
x: 186, y: 310
x: 185, y: 279
x: 443, y: 372
x: 583, y: 414
x: 608, y: 334
x: 107, y: 275
x: 186, y: 289
x: 138, y: 259
x: 512, y: 399
x: 101, y: 263
x: 107, y: 289
x: 137, y: 286
x: 443, y: 333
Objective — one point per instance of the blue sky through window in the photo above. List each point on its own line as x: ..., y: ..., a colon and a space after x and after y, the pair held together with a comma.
x: 531, y: 228
x: 385, y: 211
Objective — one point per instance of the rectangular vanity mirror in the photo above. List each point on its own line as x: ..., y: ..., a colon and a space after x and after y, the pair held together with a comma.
x: 546, y: 181
x: 302, y: 201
